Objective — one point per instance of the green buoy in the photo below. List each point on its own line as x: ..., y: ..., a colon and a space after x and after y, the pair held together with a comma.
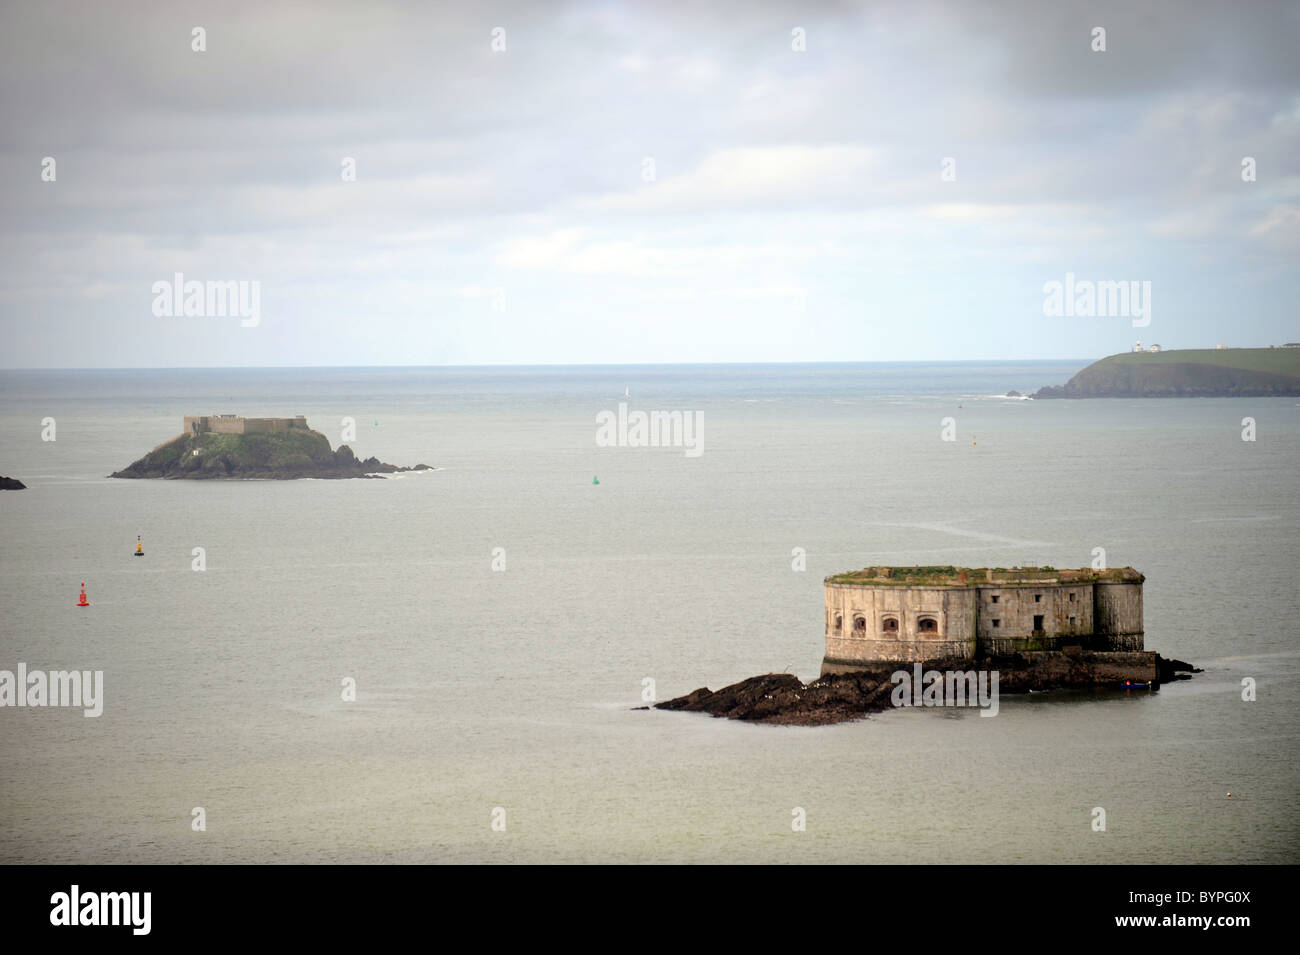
x: 595, y: 480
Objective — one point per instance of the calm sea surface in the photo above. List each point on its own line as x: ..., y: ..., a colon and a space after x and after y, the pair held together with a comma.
x: 479, y: 689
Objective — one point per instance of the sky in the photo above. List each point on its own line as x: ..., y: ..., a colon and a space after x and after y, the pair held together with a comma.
x: 620, y: 182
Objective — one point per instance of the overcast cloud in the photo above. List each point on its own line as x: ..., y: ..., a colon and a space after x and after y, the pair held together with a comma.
x: 501, y: 214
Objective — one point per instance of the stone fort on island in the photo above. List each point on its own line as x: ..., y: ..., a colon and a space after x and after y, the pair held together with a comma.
x: 911, y: 614
x: 234, y: 424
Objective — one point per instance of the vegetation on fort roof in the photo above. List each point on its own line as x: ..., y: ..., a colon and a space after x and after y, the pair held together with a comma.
x: 950, y: 576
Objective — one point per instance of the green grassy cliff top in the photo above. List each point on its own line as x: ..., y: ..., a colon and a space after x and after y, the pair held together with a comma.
x: 1277, y: 361
x: 1187, y: 373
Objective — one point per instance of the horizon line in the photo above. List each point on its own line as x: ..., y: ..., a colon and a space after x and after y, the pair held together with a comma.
x: 647, y: 364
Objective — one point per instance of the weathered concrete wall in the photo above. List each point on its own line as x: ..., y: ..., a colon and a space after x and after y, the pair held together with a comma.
x: 1119, y: 610
x: 888, y: 623
x: 215, y: 424
x: 1090, y: 641
x: 1075, y: 668
x: 1008, y: 614
x: 273, y: 425
x: 1105, y: 667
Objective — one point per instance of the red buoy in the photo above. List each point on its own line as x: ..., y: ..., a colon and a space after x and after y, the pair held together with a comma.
x: 84, y: 602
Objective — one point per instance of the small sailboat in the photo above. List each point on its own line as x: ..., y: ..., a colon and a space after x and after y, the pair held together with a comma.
x: 627, y: 392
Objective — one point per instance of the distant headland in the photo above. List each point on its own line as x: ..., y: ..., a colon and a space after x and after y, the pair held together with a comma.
x: 1031, y: 629
x: 1220, y: 372
x: 230, y: 447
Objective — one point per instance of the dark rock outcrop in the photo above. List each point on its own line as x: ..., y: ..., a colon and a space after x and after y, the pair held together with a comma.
x: 784, y: 699
x: 11, y: 484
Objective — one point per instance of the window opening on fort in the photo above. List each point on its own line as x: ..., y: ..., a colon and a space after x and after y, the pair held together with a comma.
x: 1038, y: 621
x: 927, y: 625
x: 890, y: 625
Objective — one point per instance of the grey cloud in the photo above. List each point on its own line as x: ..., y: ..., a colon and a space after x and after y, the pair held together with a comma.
x: 228, y: 161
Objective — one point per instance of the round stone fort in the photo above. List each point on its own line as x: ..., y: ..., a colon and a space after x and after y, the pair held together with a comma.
x: 911, y: 614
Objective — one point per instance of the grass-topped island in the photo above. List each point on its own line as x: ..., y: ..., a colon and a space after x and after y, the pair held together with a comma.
x: 228, y: 447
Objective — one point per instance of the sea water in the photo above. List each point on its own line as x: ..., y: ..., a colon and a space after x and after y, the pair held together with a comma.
x: 503, y: 617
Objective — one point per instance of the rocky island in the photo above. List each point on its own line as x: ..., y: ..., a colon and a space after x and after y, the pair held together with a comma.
x: 11, y: 484
x: 782, y: 698
x: 1187, y: 373
x: 957, y: 636
x: 232, y: 448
